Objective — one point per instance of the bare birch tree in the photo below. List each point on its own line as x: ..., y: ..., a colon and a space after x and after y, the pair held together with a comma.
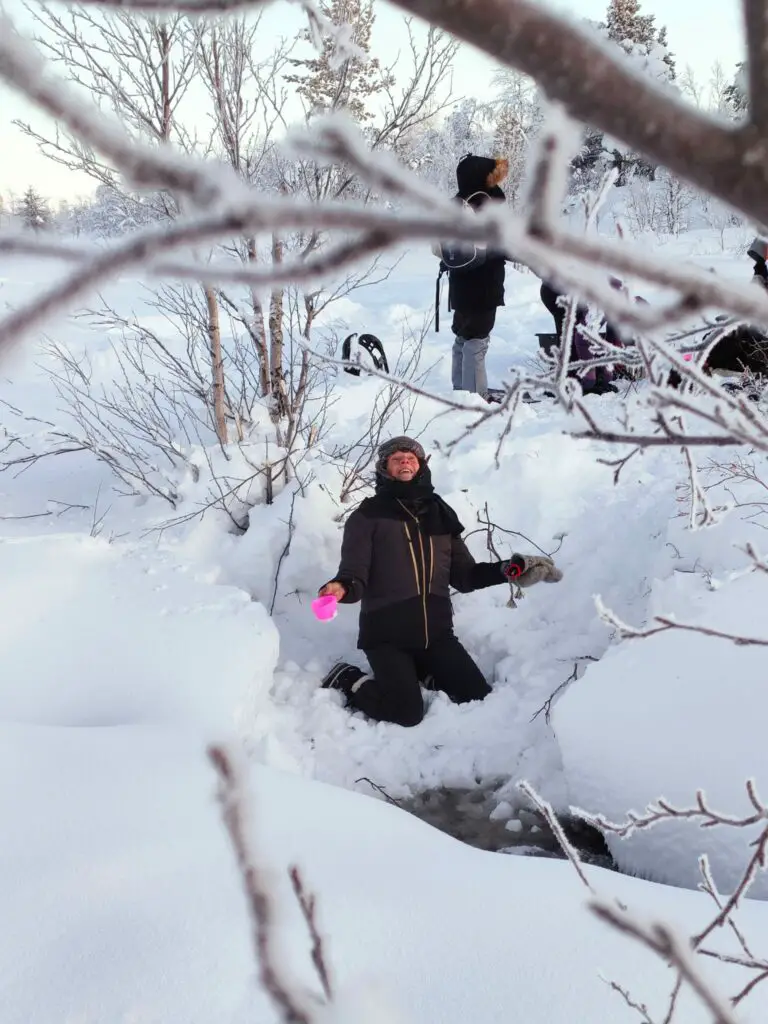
x: 142, y: 70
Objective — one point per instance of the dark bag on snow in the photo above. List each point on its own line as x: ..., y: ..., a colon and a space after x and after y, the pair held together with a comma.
x: 372, y: 346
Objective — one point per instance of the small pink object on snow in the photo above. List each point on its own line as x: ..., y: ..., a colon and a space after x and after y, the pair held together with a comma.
x: 688, y: 357
x: 325, y: 608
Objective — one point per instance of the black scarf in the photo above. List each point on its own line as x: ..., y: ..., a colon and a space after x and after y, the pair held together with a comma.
x: 418, y: 496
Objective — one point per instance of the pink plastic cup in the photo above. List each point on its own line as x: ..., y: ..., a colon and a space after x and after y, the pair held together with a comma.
x: 325, y: 608
x: 688, y: 357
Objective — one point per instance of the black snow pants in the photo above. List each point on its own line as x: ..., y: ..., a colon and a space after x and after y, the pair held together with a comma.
x: 394, y: 692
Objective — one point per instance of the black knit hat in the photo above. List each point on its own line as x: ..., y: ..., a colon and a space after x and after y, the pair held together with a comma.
x: 481, y: 174
x: 397, y: 444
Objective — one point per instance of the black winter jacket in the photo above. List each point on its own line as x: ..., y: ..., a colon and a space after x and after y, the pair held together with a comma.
x: 482, y: 289
x: 402, y: 576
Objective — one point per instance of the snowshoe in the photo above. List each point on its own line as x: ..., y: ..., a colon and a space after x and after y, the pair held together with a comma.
x: 371, y: 344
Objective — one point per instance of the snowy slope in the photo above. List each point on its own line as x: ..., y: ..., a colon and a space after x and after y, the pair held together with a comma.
x: 674, y: 713
x: 125, y: 652
x: 126, y: 906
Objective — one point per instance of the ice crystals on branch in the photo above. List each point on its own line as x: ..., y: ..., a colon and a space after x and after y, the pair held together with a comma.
x: 547, y: 184
x: 345, y: 48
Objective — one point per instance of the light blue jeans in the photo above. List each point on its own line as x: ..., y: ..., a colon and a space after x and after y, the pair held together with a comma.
x: 468, y: 365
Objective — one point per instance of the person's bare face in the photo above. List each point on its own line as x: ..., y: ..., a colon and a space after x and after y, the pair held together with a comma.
x: 402, y: 466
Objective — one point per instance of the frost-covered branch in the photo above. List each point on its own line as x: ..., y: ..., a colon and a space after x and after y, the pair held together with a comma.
x: 555, y: 52
x: 707, y: 817
x: 683, y: 953
x: 664, y: 810
x: 664, y: 623
x: 216, y: 206
x: 673, y: 949
x: 558, y: 831
x: 756, y: 32
x: 576, y: 69
x: 380, y: 229
x: 292, y: 1006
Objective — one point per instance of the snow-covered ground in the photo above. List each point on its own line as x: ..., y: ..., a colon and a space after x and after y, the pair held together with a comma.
x: 126, y: 647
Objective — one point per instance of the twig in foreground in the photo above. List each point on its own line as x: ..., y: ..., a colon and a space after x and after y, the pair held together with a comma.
x: 308, y: 907
x: 567, y: 847
x: 660, y: 938
x: 665, y: 623
x: 260, y: 904
x: 546, y: 707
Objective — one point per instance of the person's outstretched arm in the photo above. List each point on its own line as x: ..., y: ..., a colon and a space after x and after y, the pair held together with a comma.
x: 356, y: 556
x: 467, y: 574
x: 523, y: 570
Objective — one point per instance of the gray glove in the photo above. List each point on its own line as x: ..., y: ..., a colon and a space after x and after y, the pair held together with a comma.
x: 525, y: 570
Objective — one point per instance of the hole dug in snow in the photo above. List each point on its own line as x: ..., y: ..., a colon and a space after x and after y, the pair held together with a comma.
x: 475, y: 816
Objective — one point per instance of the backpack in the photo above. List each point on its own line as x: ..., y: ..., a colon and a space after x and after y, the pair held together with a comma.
x: 459, y: 257
x: 372, y: 346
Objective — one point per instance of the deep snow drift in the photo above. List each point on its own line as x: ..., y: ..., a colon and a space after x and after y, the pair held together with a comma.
x: 126, y: 647
x: 680, y: 712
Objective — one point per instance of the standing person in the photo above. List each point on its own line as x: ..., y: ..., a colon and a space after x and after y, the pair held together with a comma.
x: 476, y: 290
x: 402, y: 552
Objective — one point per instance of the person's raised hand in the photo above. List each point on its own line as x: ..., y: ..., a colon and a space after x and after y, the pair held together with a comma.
x: 333, y: 589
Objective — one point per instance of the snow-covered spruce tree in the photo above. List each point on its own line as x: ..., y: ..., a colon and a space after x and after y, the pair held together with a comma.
x: 736, y: 95
x: 625, y: 23
x: 392, y: 113
x: 34, y: 211
x: 326, y: 83
x: 636, y: 35
x: 113, y: 212
x: 627, y: 26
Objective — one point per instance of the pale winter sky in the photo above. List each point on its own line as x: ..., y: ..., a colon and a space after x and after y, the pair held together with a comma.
x: 700, y: 33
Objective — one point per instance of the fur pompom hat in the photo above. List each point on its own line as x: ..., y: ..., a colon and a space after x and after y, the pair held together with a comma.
x: 398, y: 444
x: 481, y: 174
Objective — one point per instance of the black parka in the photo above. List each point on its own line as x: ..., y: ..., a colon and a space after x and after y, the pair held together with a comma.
x: 482, y: 289
x: 402, y: 575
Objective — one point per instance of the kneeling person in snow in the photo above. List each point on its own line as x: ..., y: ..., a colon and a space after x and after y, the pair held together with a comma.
x: 402, y: 552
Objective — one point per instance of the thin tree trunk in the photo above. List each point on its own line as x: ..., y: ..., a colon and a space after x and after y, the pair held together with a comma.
x: 299, y: 392
x: 259, y: 332
x: 166, y: 111
x: 276, y: 343
x: 217, y: 366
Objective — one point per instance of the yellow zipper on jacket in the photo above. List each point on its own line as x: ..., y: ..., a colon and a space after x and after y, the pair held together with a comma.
x: 424, y: 591
x: 420, y: 588
x: 413, y: 557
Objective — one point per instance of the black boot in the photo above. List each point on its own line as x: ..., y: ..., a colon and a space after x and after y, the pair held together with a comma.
x: 343, y: 677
